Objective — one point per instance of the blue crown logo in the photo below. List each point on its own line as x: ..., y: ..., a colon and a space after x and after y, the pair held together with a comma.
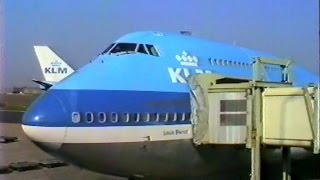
x: 55, y: 63
x: 187, y: 60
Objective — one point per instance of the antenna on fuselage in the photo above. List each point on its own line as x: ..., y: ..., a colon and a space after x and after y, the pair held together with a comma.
x: 188, y: 33
x: 234, y: 42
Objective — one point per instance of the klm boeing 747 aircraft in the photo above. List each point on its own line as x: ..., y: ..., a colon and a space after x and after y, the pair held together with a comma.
x: 127, y: 112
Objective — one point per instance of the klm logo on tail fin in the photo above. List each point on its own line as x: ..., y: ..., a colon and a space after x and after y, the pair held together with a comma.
x: 55, y: 63
x: 53, y: 67
x: 53, y: 70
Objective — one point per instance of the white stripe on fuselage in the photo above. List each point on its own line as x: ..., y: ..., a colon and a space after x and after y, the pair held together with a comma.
x: 109, y: 134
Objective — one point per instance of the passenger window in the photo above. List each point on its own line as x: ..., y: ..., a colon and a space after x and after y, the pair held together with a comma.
x: 171, y: 117
x: 153, y: 117
x: 187, y: 116
x: 75, y: 117
x: 157, y: 117
x: 181, y: 116
x: 125, y: 117
x: 134, y: 117
x: 225, y: 62
x: 152, y: 50
x: 175, y: 117
x: 102, y: 117
x: 215, y: 62
x: 211, y: 61
x: 89, y: 117
x: 114, y: 117
x: 145, y: 117
x: 141, y: 49
x: 163, y: 117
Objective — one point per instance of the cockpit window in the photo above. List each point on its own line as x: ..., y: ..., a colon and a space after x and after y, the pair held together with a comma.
x: 108, y: 48
x: 142, y: 49
x: 131, y: 48
x: 124, y: 47
x: 152, y: 50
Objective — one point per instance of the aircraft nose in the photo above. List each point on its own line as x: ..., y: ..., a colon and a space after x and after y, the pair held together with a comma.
x: 42, y: 122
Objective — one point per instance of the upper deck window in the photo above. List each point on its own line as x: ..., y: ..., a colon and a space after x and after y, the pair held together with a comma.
x: 124, y: 47
x: 152, y: 50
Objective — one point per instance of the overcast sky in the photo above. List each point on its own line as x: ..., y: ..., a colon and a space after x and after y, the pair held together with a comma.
x: 78, y: 30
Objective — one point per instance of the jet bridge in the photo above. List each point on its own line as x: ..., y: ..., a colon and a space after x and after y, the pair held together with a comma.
x: 256, y: 112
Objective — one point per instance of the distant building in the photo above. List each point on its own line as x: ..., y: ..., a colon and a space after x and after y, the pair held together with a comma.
x: 17, y: 90
x: 31, y: 90
x: 26, y: 90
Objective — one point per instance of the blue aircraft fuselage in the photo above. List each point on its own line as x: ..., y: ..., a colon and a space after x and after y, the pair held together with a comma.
x: 128, y: 111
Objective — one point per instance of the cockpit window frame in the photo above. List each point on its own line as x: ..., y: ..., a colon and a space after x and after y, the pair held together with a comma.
x: 149, y: 49
x: 144, y: 47
x: 107, y: 50
x: 151, y: 53
x: 122, y: 51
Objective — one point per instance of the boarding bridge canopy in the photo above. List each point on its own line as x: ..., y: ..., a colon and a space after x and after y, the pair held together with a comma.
x: 235, y: 111
x: 255, y: 112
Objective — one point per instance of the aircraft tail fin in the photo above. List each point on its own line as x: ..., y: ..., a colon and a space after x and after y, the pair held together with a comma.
x: 53, y: 68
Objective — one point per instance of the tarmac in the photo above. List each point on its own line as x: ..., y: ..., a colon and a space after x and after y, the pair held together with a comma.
x: 23, y: 150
